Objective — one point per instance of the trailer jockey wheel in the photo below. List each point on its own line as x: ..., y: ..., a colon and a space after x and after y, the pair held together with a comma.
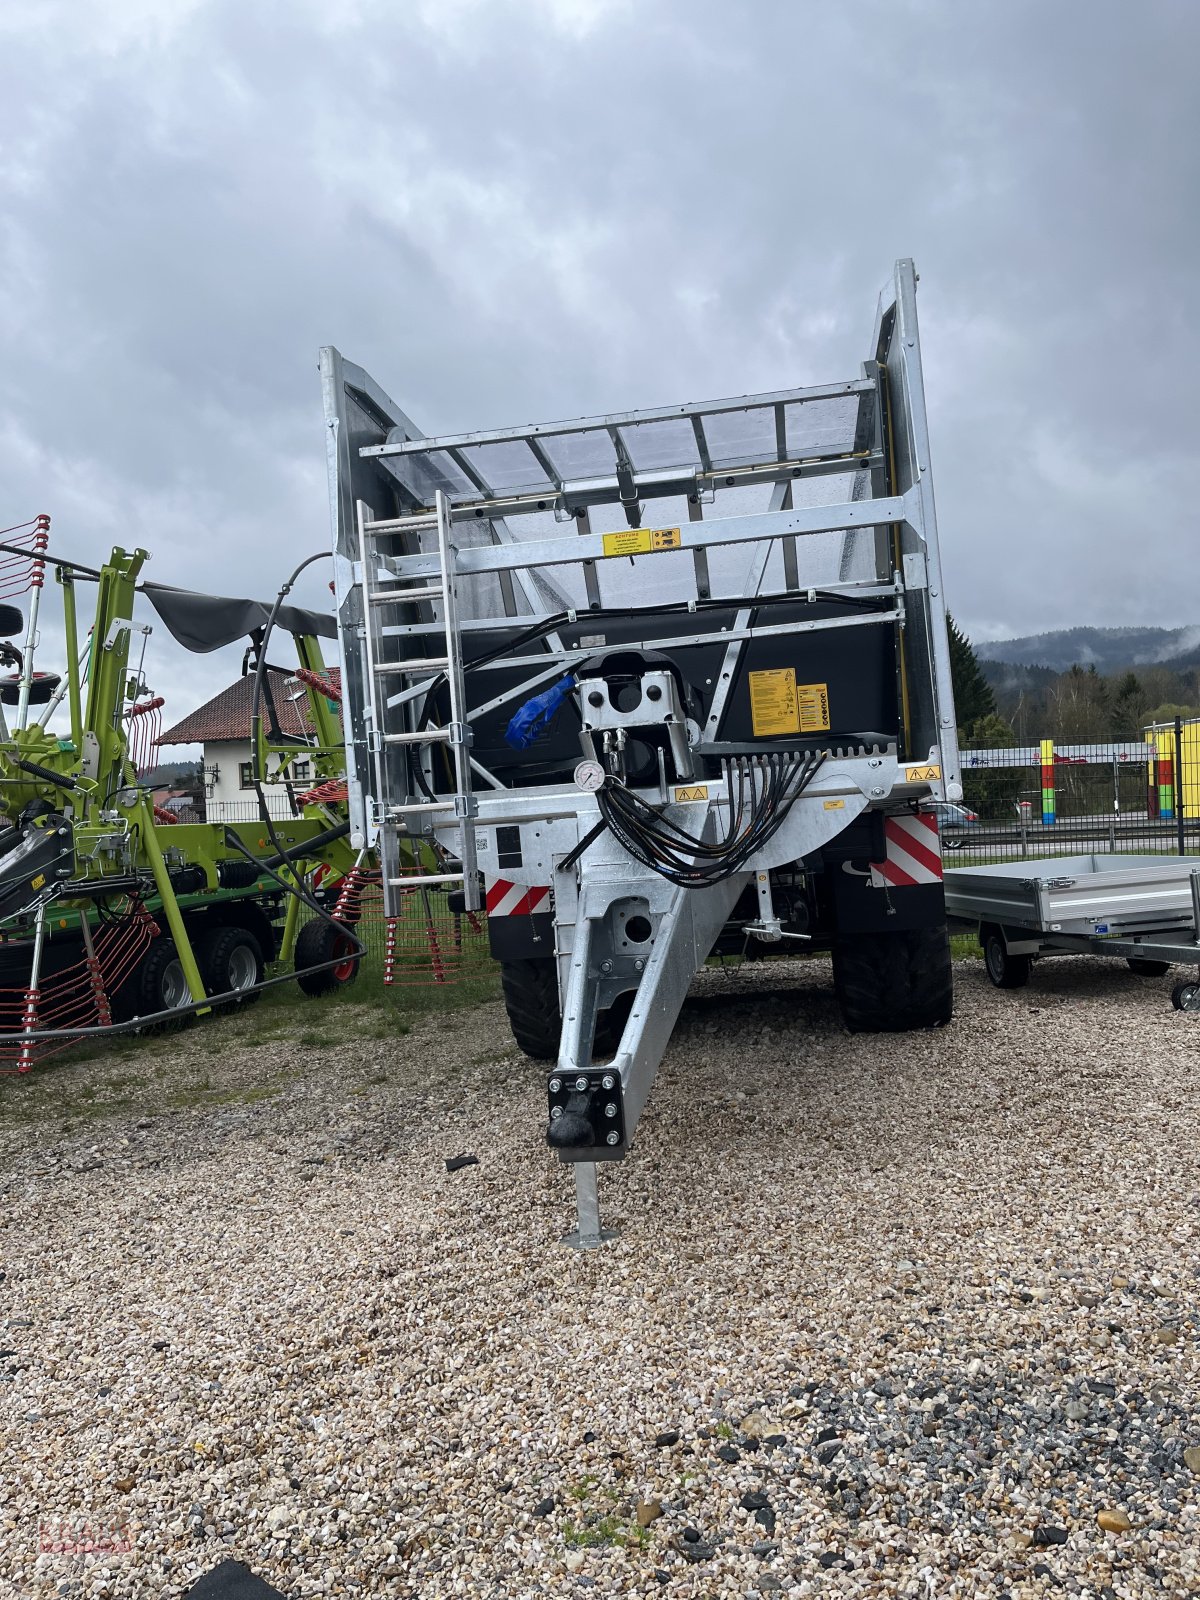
x: 229, y: 959
x: 317, y: 942
x: 1185, y: 996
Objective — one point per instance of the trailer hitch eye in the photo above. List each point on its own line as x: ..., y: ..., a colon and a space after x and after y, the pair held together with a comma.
x: 585, y: 1114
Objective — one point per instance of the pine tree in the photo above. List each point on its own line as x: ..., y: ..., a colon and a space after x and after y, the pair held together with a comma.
x: 973, y: 698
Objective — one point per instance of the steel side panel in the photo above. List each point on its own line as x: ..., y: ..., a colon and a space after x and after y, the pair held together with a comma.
x: 1073, y: 893
x: 748, y: 529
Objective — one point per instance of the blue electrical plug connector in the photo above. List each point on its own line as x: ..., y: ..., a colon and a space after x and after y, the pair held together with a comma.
x: 536, y: 715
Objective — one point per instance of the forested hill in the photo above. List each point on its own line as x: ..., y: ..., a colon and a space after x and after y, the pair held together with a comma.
x: 1109, y: 650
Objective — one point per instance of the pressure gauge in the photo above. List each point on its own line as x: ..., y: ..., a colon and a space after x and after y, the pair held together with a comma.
x: 589, y: 776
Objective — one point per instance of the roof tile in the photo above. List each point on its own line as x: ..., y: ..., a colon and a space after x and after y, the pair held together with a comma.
x: 227, y: 715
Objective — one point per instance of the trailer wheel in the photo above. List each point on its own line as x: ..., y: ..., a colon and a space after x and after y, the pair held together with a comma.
x: 319, y: 941
x: 161, y: 985
x: 1145, y: 968
x: 1185, y: 996
x: 230, y: 958
x: 531, y: 999
x: 894, y: 982
x: 1006, y: 970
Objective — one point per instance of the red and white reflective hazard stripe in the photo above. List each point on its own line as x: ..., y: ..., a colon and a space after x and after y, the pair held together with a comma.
x: 914, y: 852
x: 506, y: 899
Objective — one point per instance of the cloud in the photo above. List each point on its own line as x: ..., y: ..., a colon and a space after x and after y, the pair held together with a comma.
x: 517, y: 211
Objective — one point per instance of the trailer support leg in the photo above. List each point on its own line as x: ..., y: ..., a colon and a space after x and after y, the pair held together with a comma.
x: 594, y: 1108
x: 587, y: 1233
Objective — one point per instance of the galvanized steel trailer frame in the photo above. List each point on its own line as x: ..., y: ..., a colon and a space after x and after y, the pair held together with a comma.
x: 1103, y: 905
x: 440, y: 539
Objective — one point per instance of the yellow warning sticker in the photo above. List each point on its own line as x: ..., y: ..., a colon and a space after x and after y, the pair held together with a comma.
x: 36, y: 883
x: 835, y: 805
x: 924, y: 774
x: 778, y: 704
x: 641, y: 541
x: 812, y: 702
x: 696, y: 791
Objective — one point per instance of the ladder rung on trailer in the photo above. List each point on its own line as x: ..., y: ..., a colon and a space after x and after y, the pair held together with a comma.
x: 402, y: 597
x: 429, y: 664
x: 381, y: 541
x: 426, y: 736
x: 421, y: 880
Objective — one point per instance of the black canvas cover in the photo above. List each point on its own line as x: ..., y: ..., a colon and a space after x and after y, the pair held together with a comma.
x: 203, y: 622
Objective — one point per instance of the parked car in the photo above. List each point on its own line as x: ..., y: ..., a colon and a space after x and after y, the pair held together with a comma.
x: 953, y: 820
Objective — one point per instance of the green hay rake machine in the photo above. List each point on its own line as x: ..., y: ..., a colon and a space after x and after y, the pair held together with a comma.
x: 113, y: 914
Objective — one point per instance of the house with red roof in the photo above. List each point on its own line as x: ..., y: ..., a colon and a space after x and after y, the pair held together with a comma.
x: 222, y: 727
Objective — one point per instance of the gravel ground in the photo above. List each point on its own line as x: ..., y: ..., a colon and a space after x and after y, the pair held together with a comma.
x: 889, y: 1316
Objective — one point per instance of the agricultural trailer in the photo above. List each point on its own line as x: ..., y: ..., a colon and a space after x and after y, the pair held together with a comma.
x: 651, y: 687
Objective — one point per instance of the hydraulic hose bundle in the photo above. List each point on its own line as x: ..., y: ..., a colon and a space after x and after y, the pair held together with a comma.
x: 762, y: 790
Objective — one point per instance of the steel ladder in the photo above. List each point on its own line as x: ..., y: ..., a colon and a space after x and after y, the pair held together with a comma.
x: 388, y: 661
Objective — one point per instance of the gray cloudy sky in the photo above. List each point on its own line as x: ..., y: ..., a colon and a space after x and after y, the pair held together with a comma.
x: 517, y: 211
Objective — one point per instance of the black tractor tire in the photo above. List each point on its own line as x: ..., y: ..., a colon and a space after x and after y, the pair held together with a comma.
x: 319, y: 941
x: 229, y: 958
x: 159, y: 985
x: 1005, y: 970
x: 1146, y: 967
x: 531, y: 999
x: 894, y: 982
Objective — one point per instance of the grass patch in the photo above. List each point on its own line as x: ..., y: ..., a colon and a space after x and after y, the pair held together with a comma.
x: 604, y: 1530
x: 203, y: 1091
x: 604, y: 1525
x: 584, y: 1488
x: 185, y: 1066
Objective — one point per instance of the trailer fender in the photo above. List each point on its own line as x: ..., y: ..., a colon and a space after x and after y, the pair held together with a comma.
x: 520, y: 920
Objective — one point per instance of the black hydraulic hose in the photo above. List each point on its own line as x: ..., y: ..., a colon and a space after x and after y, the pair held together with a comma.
x: 57, y: 778
x: 152, y: 1018
x: 298, y: 852
x: 661, y: 845
x: 51, y: 561
x: 305, y: 898
x: 549, y: 624
x: 282, y: 854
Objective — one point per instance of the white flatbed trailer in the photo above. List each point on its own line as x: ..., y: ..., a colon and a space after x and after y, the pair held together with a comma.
x: 1144, y: 910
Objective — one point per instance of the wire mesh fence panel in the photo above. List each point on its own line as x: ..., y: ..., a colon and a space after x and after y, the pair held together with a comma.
x: 426, y: 944
x: 1134, y: 797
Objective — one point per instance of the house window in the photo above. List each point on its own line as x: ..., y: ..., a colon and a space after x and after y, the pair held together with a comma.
x: 302, y: 771
x: 246, y: 774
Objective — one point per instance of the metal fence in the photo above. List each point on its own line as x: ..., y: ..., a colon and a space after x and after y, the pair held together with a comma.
x: 247, y: 810
x: 1139, y: 797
